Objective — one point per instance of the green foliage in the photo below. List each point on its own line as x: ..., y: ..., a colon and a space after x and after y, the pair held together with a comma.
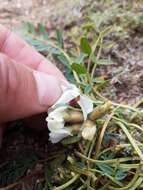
x: 87, y: 89
x: 42, y: 31
x: 28, y: 27
x: 80, y: 59
x: 106, y: 169
x: 59, y: 38
x: 79, y: 69
x: 42, y: 47
x: 63, y: 60
x: 120, y: 174
x: 85, y: 46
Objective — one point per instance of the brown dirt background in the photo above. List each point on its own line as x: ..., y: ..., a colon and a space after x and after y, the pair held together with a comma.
x: 13, y: 12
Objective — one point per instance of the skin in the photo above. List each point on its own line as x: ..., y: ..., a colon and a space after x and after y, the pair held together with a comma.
x: 29, y: 84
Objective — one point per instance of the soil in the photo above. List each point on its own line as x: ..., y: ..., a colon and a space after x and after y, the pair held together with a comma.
x: 126, y: 74
x: 13, y: 12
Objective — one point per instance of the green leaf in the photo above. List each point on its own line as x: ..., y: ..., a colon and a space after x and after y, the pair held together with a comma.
x: 41, y: 47
x: 120, y: 175
x: 62, y: 59
x: 106, y: 169
x: 85, y: 46
x: 69, y: 75
x: 42, y: 31
x: 87, y: 89
x: 29, y: 27
x: 60, y: 38
x: 80, y: 58
x: 79, y: 69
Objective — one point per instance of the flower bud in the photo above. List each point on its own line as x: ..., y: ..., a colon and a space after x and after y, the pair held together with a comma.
x: 100, y: 111
x: 89, y: 130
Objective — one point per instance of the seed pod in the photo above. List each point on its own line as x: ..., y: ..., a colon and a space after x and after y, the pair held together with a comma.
x: 100, y: 111
x: 73, y: 117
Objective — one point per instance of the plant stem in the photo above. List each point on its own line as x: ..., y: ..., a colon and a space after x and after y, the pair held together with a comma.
x: 111, y: 161
x: 98, y: 147
x: 129, y: 124
x: 92, y: 53
x: 81, y: 187
x: 67, y: 184
x: 98, y: 56
x: 130, y: 184
x: 86, y: 185
x: 132, y: 141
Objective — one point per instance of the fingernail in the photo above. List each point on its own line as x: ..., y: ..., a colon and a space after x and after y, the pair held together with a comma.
x: 48, y: 88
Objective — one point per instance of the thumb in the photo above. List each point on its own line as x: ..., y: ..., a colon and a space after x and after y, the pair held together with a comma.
x: 23, y: 91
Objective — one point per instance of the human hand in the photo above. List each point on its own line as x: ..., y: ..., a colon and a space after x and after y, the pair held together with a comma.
x: 29, y: 83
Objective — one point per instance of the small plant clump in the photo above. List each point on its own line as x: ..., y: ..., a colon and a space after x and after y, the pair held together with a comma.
x: 111, y: 157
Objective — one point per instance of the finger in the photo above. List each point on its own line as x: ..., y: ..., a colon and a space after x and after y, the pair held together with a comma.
x: 24, y: 92
x: 17, y: 49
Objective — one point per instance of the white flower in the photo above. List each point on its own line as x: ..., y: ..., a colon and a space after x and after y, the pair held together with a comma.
x: 56, y: 125
x: 69, y: 93
x: 56, y: 137
x: 86, y: 105
x: 88, y: 132
x: 55, y: 118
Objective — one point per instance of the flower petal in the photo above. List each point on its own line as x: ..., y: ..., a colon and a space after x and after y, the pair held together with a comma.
x: 57, y: 113
x: 56, y: 137
x: 86, y: 105
x: 54, y: 125
x: 69, y: 93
